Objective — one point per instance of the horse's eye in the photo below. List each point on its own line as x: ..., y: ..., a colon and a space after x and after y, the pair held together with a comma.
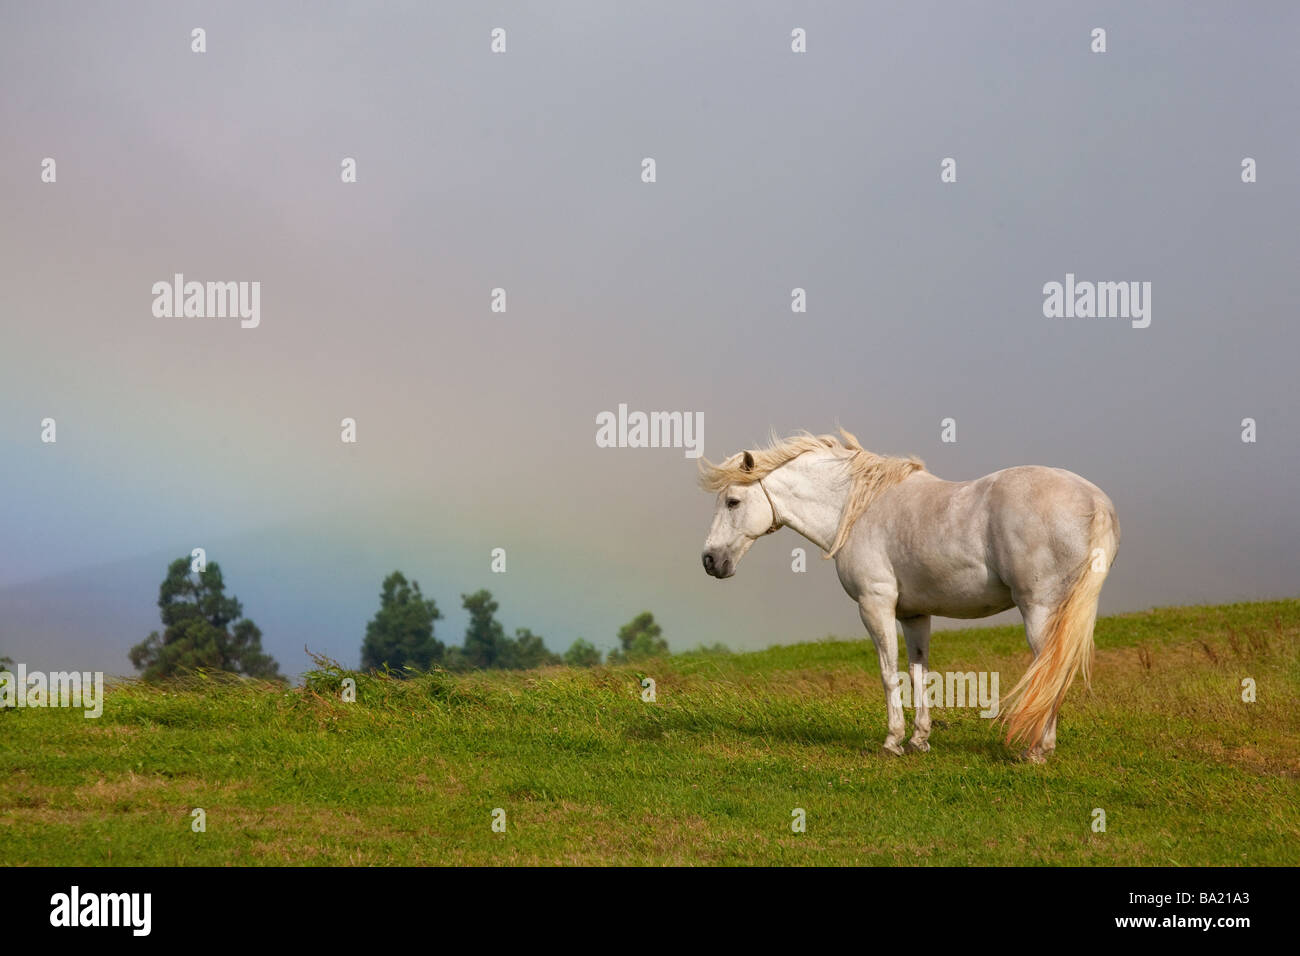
x: 733, y: 502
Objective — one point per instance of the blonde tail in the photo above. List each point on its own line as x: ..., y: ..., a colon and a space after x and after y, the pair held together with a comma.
x: 1036, y: 698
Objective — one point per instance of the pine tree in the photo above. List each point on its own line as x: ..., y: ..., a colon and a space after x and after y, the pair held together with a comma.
x: 401, y: 633
x: 202, y: 628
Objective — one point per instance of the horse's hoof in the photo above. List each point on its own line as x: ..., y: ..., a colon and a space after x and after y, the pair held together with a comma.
x: 1034, y: 756
x: 893, y: 748
x: 918, y: 746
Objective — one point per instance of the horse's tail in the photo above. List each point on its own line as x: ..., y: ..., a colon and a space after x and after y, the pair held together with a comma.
x: 1068, y: 647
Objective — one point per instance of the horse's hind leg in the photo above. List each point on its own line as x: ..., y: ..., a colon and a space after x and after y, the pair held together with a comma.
x: 879, y: 620
x: 916, y: 631
x: 1036, y: 617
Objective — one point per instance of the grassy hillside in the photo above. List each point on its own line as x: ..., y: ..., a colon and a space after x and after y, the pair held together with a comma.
x: 709, y: 773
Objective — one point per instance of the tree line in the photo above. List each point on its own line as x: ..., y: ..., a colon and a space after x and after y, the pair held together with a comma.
x: 203, y: 628
x: 401, y: 634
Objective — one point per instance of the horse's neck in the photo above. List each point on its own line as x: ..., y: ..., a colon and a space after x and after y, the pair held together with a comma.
x: 809, y: 494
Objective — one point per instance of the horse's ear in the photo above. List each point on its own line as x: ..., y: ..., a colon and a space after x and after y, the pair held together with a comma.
x: 748, y: 464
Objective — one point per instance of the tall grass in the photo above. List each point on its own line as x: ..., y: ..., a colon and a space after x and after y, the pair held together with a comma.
x: 710, y: 772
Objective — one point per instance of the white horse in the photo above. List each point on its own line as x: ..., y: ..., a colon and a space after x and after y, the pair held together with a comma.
x: 908, y: 545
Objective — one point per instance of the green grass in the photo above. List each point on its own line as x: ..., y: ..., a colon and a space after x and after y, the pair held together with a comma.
x: 1186, y: 773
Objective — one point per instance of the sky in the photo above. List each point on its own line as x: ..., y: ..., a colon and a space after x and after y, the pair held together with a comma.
x: 523, y: 170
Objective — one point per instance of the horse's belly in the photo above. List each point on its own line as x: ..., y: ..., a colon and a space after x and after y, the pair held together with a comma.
x: 965, y: 596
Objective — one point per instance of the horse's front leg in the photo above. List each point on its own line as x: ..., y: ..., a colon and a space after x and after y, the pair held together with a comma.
x: 916, y: 632
x: 878, y: 616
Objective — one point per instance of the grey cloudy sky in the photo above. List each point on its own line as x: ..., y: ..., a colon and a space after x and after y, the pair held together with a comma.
x: 775, y: 170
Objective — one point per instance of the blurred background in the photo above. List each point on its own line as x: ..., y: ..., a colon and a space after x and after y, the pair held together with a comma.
x: 522, y: 170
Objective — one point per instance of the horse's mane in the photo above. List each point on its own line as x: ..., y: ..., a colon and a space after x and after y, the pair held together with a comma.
x: 870, y: 473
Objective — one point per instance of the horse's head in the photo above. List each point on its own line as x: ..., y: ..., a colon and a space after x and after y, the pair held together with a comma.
x: 743, y: 514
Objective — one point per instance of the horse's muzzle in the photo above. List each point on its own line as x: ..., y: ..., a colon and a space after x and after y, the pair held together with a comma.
x: 718, y: 569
